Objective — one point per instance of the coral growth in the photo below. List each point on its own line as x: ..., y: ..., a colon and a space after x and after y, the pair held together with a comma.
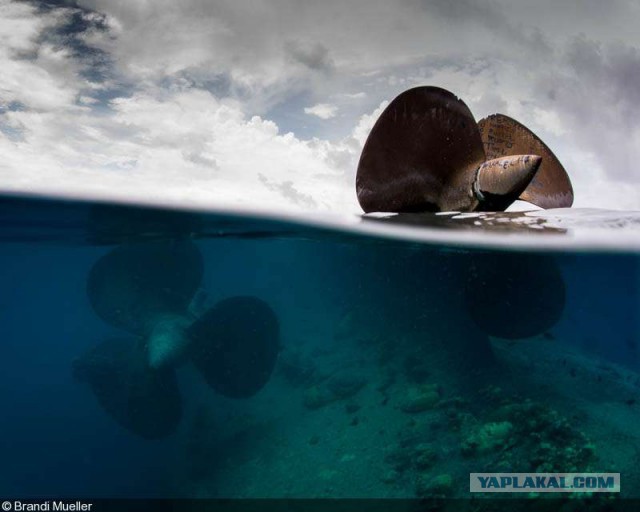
x: 421, y: 398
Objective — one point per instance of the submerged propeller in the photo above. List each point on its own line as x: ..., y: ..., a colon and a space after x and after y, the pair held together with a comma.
x: 426, y: 153
x: 146, y: 288
x: 513, y: 295
x: 143, y: 400
x: 150, y: 289
x: 235, y: 345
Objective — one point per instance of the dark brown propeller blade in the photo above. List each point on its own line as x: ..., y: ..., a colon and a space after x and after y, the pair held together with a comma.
x: 135, y: 283
x: 513, y: 295
x: 144, y: 401
x: 421, y: 155
x: 503, y: 136
x: 235, y: 346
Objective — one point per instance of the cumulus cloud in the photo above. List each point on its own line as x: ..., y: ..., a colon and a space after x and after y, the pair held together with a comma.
x: 322, y: 110
x: 169, y: 99
x: 288, y: 190
x: 185, y: 146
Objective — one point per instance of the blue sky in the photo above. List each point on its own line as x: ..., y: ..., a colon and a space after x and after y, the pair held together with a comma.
x: 266, y: 104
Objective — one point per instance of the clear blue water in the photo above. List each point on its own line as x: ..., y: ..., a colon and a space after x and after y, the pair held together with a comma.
x: 346, y: 303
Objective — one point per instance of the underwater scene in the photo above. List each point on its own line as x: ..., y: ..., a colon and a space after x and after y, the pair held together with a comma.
x: 152, y: 353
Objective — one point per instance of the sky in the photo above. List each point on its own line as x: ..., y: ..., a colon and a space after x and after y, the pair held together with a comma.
x: 267, y: 104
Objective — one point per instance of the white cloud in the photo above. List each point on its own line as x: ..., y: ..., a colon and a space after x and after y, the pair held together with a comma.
x: 189, y: 146
x: 44, y: 78
x: 354, y: 96
x: 184, y: 110
x: 549, y: 120
x: 366, y: 122
x: 322, y: 110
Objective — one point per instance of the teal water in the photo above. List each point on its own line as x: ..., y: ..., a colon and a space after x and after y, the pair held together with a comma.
x: 402, y: 365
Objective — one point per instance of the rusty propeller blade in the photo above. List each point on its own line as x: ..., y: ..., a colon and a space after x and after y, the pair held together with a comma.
x: 504, y: 136
x: 421, y: 155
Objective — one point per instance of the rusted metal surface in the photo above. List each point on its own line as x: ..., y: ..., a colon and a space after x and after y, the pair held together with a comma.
x: 421, y: 155
x: 503, y: 136
x: 500, y: 181
x: 426, y: 153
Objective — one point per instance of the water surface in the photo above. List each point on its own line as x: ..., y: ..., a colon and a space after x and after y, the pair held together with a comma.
x: 390, y: 380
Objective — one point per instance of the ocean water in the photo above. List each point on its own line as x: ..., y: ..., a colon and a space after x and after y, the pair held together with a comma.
x: 410, y: 353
